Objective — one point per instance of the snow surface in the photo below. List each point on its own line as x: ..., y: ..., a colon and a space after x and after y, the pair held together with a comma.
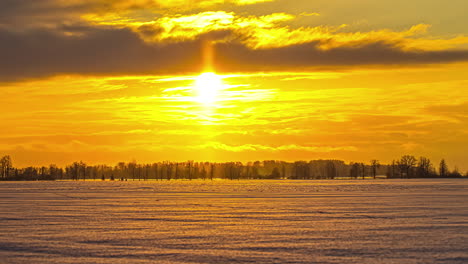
x: 358, y: 221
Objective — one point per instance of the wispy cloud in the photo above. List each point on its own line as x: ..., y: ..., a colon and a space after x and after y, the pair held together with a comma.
x: 355, y: 116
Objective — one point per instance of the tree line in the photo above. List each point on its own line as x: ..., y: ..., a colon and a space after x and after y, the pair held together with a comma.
x: 405, y: 167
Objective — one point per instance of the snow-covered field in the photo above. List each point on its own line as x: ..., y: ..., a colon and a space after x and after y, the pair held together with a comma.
x: 360, y: 221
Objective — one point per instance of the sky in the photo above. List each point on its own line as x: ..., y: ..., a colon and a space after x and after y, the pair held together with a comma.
x: 236, y: 80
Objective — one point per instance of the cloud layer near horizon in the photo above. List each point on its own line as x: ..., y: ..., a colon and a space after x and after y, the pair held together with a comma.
x: 40, y: 39
x: 121, y: 52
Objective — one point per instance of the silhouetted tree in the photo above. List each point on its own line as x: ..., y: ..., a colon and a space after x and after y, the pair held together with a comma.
x: 363, y: 170
x: 83, y: 169
x: 139, y: 172
x: 331, y: 170
x: 176, y: 173
x: 121, y: 167
x: 5, y: 166
x: 212, y: 170
x: 53, y: 172
x: 30, y: 173
x: 302, y: 170
x: 275, y: 174
x: 394, y: 168
x: 169, y: 169
x: 75, y: 171
x: 374, y: 166
x: 156, y: 171
x: 229, y: 170
x: 424, y: 167
x: 203, y: 173
x: 95, y: 173
x: 443, y: 169
x: 455, y: 173
x: 406, y: 165
x: 255, y: 170
x: 354, y: 171
x: 189, y: 168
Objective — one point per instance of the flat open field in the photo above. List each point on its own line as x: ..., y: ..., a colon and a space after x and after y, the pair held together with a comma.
x: 361, y: 221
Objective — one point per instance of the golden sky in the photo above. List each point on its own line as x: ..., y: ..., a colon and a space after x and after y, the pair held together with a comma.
x: 106, y: 81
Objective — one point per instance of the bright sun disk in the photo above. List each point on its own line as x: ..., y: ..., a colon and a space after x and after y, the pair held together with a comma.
x: 208, y: 85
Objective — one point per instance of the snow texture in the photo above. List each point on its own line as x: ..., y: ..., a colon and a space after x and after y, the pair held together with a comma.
x: 359, y: 221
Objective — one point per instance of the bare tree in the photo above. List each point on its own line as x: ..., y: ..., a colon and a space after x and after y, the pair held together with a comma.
x: 75, y: 171
x: 212, y: 171
x: 169, y: 170
x: 374, y: 166
x: 189, y: 167
x: 354, y: 171
x: 132, y: 168
x: 121, y: 167
x: 203, y: 173
x: 443, y: 168
x: 363, y: 170
x: 424, y: 167
x: 83, y: 168
x: 407, y: 164
x: 394, y: 166
x: 5, y: 166
x: 331, y: 170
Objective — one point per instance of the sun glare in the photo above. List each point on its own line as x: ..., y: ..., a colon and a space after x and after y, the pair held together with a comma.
x: 207, y: 86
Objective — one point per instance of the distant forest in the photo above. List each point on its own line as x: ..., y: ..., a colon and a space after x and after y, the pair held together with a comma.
x: 405, y: 167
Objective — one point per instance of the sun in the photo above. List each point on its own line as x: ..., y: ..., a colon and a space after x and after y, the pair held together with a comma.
x: 208, y: 85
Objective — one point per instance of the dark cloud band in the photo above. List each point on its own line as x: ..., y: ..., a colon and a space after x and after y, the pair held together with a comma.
x: 95, y: 51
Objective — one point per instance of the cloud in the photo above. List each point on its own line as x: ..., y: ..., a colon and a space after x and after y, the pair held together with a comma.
x: 39, y: 53
x: 33, y: 13
x: 186, y: 4
x: 309, y: 56
x: 56, y: 37
x: 109, y: 51
x: 458, y: 112
x: 271, y: 31
x: 292, y: 147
